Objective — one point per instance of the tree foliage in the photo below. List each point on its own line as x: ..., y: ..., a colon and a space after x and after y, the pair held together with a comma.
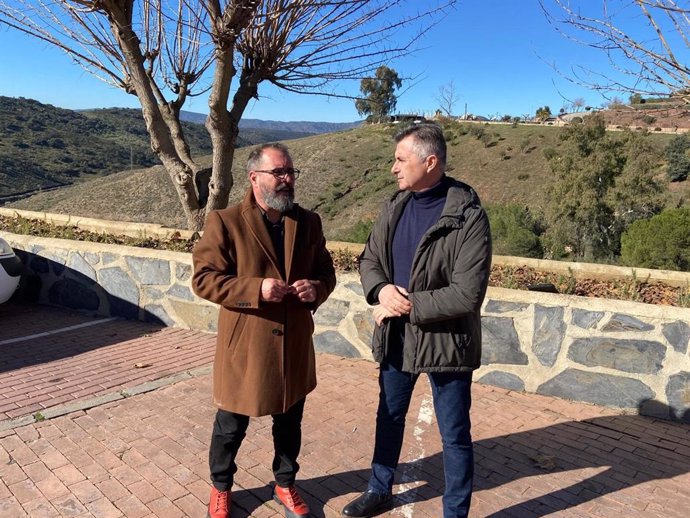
x: 662, y: 241
x: 166, y: 52
x: 379, y: 99
x: 645, y: 41
x: 677, y: 158
x: 514, y: 231
x: 543, y: 113
x: 603, y: 184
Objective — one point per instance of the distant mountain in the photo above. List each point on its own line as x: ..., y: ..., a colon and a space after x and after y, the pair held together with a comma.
x: 304, y: 127
x: 43, y: 147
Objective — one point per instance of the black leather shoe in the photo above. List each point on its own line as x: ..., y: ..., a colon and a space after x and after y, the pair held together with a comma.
x: 367, y: 504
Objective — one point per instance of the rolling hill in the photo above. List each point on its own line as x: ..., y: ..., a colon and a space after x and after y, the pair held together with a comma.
x: 347, y: 176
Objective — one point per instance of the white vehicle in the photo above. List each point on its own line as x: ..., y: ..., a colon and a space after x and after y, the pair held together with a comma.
x: 10, y: 271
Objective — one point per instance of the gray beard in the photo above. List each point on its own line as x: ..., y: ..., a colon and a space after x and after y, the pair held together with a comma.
x: 282, y: 201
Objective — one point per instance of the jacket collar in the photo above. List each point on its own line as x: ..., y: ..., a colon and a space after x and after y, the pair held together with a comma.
x: 253, y: 216
x: 460, y: 197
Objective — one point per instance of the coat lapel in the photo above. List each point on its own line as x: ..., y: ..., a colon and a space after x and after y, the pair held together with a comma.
x: 290, y: 228
x: 254, y: 219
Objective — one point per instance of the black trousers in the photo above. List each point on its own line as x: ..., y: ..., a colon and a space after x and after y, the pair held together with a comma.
x: 229, y: 429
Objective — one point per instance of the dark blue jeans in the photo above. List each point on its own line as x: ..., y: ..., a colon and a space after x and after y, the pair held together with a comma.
x: 452, y: 401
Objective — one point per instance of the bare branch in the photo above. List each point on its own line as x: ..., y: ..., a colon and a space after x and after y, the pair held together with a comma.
x: 643, y: 57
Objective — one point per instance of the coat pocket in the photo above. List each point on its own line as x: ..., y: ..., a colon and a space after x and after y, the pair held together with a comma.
x: 441, y: 345
x: 234, y: 332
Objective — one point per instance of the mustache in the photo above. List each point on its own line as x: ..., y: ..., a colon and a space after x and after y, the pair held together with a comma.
x: 286, y: 188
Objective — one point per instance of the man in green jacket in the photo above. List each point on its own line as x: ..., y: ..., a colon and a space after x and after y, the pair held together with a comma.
x: 425, y: 268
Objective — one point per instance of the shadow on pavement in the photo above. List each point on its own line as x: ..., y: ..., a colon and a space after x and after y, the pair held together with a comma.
x: 76, y: 334
x: 629, y: 450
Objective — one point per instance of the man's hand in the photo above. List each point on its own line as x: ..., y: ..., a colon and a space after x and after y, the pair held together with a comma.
x: 394, y: 299
x: 273, y: 290
x: 381, y: 314
x: 304, y: 290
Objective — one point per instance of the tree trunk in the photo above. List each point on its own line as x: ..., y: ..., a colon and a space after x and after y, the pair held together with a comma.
x: 223, y: 135
x: 162, y: 144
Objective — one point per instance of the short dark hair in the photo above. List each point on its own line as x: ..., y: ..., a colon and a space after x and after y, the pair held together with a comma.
x: 254, y: 158
x: 428, y: 140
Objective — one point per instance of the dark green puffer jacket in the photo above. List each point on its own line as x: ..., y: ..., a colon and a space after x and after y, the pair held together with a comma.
x: 450, y: 273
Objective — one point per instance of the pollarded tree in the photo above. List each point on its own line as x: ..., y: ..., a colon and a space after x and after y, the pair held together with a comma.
x: 645, y: 41
x: 166, y: 51
x: 379, y: 94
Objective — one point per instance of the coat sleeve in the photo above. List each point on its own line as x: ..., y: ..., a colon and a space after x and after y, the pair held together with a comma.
x: 324, y: 271
x: 215, y: 269
x: 371, y: 263
x: 469, y: 279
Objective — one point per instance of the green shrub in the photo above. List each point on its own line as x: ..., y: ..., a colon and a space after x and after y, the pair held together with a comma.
x: 359, y: 232
x: 514, y: 231
x: 550, y: 153
x: 477, y: 131
x: 662, y: 241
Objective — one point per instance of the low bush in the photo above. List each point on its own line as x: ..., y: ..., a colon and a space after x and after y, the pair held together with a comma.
x: 662, y: 241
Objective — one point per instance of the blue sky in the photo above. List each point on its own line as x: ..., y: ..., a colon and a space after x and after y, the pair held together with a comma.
x: 495, y: 52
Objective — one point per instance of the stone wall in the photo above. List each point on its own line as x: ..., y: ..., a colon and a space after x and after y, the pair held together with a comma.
x: 616, y: 353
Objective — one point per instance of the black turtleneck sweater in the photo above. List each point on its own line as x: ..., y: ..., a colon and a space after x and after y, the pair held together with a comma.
x: 421, y: 212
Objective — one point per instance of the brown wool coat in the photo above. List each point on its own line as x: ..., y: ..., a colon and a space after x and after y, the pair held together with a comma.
x: 264, y: 360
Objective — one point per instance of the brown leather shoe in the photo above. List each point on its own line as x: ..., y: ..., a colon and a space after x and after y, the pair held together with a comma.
x: 294, y: 506
x: 219, y: 504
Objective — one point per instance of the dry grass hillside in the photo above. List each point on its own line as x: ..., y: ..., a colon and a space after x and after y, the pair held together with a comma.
x: 346, y: 176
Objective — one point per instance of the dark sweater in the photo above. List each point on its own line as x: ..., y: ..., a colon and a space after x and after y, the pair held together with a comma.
x: 419, y: 215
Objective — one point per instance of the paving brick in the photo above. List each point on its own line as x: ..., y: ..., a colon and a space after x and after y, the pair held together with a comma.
x: 54, y: 459
x: 103, y: 508
x: 11, y: 508
x: 11, y: 474
x: 86, y: 492
x: 145, y: 491
x: 52, y: 487
x: 41, y: 507
x: 69, y: 474
x: 132, y: 507
x: 25, y: 491
x: 69, y: 506
x: 164, y: 508
x: 191, y: 505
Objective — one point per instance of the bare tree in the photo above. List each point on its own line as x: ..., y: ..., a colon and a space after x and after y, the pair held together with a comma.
x: 646, y: 42
x: 166, y: 51
x: 578, y: 104
x: 447, y: 97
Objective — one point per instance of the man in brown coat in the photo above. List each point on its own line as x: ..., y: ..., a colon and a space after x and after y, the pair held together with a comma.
x: 264, y: 261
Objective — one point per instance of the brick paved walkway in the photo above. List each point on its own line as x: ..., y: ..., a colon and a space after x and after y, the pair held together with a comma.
x: 145, y: 455
x: 51, y: 357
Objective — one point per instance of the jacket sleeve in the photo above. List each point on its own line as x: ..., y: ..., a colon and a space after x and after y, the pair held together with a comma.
x: 371, y: 263
x: 215, y: 270
x: 469, y: 279
x: 324, y: 271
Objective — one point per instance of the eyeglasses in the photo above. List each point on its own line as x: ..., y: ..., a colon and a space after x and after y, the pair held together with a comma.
x: 281, y: 172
